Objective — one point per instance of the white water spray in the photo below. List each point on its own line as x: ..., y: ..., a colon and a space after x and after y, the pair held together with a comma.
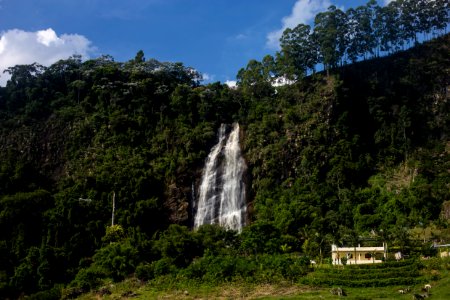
x: 221, y: 198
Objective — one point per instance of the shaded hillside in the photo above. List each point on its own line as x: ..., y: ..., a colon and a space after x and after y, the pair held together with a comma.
x: 319, y: 142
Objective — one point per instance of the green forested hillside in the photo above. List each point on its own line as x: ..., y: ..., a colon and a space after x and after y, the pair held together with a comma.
x: 361, y: 150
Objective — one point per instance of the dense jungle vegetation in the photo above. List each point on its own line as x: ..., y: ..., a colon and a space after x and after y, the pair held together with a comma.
x: 359, y: 151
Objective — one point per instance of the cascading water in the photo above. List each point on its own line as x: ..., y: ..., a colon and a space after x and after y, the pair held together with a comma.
x: 221, y: 197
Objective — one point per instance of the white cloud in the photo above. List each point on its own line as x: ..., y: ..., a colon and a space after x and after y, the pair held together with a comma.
x: 303, y: 12
x: 386, y: 2
x: 208, y: 77
x: 47, y: 37
x: 45, y: 47
x: 231, y: 83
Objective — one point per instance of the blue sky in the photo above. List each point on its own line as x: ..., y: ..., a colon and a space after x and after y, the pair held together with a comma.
x: 217, y: 37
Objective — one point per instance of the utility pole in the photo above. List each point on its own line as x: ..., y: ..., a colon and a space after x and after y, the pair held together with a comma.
x: 113, y: 208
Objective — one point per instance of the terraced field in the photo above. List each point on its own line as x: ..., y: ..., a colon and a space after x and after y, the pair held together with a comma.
x: 406, y: 272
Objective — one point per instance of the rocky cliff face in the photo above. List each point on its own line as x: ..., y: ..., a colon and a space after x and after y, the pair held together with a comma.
x: 177, y: 203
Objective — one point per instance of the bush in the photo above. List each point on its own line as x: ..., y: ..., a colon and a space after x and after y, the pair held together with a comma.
x: 90, y: 278
x: 221, y: 268
x: 275, y: 267
x: 178, y: 245
x: 149, y: 271
x: 435, y: 263
x: 163, y: 266
x: 52, y: 294
x: 215, y: 239
x: 144, y: 272
x: 260, y: 237
x: 114, y: 233
x: 197, y: 269
x: 115, y: 261
x: 262, y: 268
x: 72, y: 293
x: 118, y: 259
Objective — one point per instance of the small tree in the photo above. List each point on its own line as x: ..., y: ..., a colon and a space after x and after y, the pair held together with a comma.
x: 114, y: 233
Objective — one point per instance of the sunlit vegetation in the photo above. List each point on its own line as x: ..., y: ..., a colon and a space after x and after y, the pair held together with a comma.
x: 358, y: 153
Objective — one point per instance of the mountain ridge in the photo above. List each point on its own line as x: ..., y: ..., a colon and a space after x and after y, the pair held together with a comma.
x: 323, y: 154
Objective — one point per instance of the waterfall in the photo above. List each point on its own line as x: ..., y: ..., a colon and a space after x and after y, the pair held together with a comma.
x: 221, y: 197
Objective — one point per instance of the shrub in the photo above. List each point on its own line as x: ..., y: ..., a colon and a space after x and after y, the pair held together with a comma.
x: 261, y: 268
x: 163, y: 266
x: 118, y: 259
x: 221, y: 268
x: 275, y: 267
x: 114, y: 233
x: 89, y: 278
x: 144, y: 272
x: 215, y: 239
x: 115, y: 261
x: 435, y: 263
x: 178, y: 245
x: 52, y: 294
x: 71, y: 293
x: 260, y: 237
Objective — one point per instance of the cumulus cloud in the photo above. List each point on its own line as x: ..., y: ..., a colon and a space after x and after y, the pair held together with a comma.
x: 208, y: 77
x: 231, y: 83
x: 45, y: 47
x: 303, y: 12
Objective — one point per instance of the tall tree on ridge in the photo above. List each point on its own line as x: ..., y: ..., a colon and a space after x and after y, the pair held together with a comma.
x: 298, y: 52
x: 408, y: 19
x: 330, y: 32
x: 440, y: 11
x: 390, y: 40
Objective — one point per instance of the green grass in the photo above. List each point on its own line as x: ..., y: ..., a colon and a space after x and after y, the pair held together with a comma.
x: 435, y: 272
x: 440, y: 290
